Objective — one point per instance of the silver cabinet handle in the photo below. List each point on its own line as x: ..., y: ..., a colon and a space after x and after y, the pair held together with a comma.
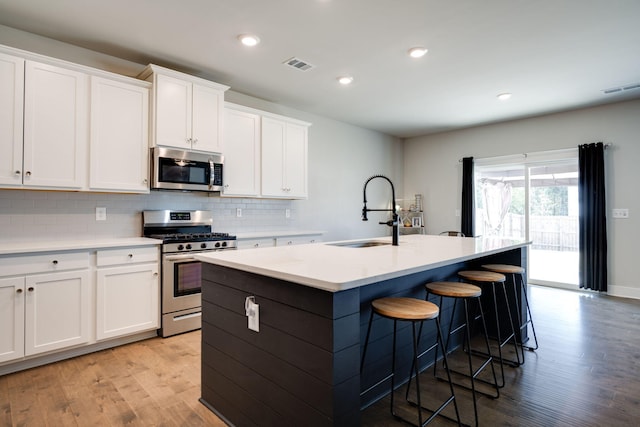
x: 19, y: 290
x: 18, y: 172
x: 130, y: 256
x: 54, y: 262
x: 195, y: 140
x: 28, y: 173
x: 30, y: 288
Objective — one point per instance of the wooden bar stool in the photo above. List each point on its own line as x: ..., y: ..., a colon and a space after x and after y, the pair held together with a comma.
x: 414, y: 311
x: 466, y: 292
x: 515, y: 271
x: 489, y: 277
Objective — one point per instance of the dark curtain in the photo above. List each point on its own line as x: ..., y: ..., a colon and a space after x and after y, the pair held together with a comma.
x: 592, y: 217
x: 468, y: 209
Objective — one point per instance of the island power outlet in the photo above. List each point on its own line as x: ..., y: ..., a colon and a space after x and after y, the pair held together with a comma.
x: 252, y: 311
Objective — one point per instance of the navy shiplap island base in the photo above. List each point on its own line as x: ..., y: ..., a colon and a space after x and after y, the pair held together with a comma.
x: 303, y: 366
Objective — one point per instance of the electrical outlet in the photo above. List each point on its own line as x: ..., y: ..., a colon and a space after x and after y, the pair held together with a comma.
x: 238, y: 212
x: 620, y: 213
x: 101, y: 214
x: 254, y: 318
x: 287, y: 213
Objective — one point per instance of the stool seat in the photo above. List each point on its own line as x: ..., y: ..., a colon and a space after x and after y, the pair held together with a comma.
x: 402, y: 308
x: 454, y: 289
x: 504, y: 268
x: 482, y: 276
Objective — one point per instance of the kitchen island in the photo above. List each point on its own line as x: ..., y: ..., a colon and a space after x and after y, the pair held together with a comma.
x: 303, y: 366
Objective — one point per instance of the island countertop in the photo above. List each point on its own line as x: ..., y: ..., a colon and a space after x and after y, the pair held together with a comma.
x: 338, y: 268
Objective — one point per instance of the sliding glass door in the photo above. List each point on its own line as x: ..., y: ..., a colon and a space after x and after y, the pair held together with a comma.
x: 534, y: 198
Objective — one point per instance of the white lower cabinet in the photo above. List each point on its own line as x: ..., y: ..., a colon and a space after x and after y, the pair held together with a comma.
x: 43, y: 312
x: 127, y: 292
x: 11, y: 318
x: 56, y: 311
x: 51, y: 301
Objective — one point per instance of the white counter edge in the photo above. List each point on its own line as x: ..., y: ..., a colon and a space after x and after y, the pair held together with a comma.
x: 27, y: 247
x: 342, y: 286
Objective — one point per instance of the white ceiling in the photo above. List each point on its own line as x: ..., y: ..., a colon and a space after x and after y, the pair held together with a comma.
x: 553, y: 55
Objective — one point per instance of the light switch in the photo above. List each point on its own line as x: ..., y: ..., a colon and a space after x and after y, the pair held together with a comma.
x: 287, y: 213
x: 238, y: 212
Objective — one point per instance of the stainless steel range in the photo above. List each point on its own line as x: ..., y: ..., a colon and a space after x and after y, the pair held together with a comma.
x: 183, y: 233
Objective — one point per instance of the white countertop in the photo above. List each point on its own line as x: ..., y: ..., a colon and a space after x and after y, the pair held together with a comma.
x: 336, y: 268
x: 22, y: 247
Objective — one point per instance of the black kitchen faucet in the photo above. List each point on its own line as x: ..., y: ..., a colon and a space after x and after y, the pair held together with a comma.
x: 394, y: 219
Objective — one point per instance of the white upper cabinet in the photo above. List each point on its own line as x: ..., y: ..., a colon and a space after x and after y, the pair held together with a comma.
x: 241, y: 152
x: 186, y: 111
x: 119, y: 146
x: 55, y: 127
x: 11, y: 107
x: 284, y: 158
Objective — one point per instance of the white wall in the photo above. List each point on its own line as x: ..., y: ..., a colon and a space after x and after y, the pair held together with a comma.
x: 341, y: 157
x: 432, y: 167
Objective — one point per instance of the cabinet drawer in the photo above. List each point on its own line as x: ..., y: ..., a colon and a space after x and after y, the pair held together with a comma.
x: 298, y: 240
x: 256, y: 243
x: 28, y: 264
x: 121, y: 256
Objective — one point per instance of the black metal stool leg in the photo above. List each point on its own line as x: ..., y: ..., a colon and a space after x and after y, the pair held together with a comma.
x: 530, y: 318
x: 517, y: 362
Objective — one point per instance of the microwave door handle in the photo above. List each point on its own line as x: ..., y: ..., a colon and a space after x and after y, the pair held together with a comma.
x: 212, y: 174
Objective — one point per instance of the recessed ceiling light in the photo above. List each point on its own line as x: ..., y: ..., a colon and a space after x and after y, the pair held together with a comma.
x: 249, y: 39
x: 345, y: 80
x: 417, y: 52
x: 504, y: 96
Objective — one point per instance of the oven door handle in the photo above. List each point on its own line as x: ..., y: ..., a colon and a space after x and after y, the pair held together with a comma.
x: 179, y: 258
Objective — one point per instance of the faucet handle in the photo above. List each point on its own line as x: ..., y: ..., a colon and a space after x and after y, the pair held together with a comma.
x: 364, y: 213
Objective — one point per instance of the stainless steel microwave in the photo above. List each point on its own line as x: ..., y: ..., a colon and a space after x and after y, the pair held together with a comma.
x: 174, y: 169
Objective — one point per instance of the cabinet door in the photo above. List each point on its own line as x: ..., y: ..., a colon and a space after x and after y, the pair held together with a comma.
x: 295, y: 161
x: 119, y: 136
x: 206, y: 128
x: 56, y: 311
x: 11, y: 318
x: 11, y: 107
x: 55, y: 127
x: 127, y: 300
x: 173, y: 112
x: 241, y: 153
x: 273, y: 143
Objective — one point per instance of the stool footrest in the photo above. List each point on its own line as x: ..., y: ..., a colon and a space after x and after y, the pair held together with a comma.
x: 433, y: 413
x: 511, y: 363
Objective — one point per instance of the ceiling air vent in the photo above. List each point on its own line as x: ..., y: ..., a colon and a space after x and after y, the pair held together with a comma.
x: 621, y: 88
x: 298, y: 64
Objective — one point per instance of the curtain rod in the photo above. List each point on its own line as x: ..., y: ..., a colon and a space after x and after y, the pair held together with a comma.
x: 607, y: 145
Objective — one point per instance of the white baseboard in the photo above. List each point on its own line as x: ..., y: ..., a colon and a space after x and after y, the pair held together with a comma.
x: 623, y: 291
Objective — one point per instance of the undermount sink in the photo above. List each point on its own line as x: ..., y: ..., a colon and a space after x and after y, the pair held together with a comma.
x: 365, y: 244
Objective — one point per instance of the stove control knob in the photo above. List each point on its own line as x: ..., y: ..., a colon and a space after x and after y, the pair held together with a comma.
x: 224, y: 244
x: 203, y: 245
x: 217, y: 245
x: 180, y: 247
x: 188, y: 246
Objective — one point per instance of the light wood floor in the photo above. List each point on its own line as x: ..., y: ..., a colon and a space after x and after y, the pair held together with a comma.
x: 586, y: 373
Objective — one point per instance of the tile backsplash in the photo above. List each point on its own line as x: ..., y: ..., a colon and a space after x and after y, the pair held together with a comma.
x: 33, y: 215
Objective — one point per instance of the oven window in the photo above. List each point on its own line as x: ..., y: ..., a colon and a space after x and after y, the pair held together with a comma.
x: 188, y: 278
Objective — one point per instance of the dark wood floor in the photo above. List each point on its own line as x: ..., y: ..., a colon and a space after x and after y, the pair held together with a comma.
x: 586, y: 373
